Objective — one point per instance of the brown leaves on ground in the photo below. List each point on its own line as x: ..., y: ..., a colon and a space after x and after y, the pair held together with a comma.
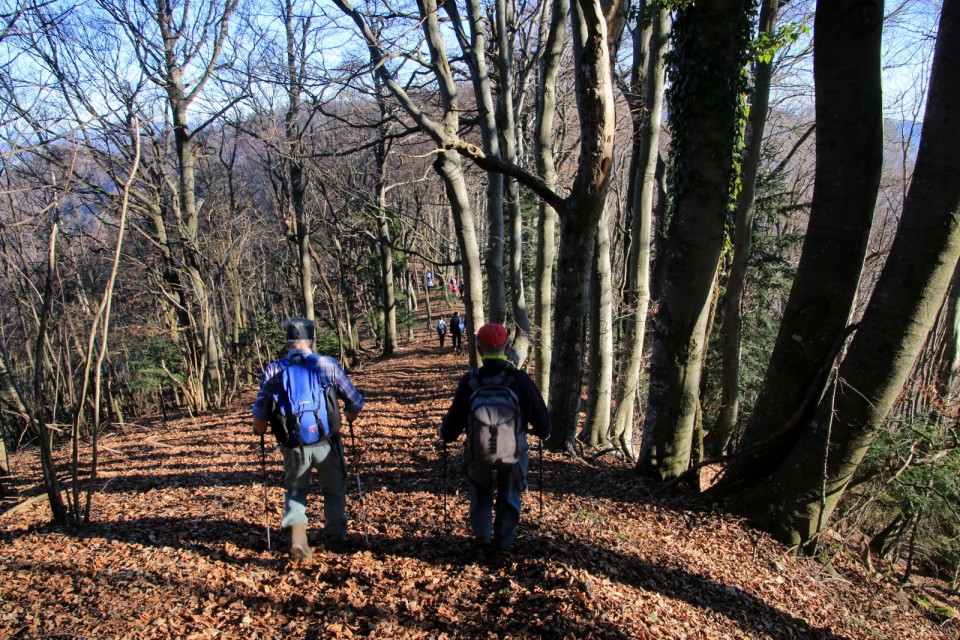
x: 177, y: 546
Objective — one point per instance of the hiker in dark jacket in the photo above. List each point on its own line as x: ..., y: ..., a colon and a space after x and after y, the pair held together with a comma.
x: 456, y: 331
x: 510, y: 479
x: 326, y: 455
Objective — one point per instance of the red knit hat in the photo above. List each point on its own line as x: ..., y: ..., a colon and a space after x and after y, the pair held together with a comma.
x: 492, y: 337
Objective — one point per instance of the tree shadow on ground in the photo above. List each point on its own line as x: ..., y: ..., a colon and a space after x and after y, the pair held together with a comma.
x: 533, y: 555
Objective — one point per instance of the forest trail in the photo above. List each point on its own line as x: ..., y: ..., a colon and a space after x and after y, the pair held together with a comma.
x: 177, y: 547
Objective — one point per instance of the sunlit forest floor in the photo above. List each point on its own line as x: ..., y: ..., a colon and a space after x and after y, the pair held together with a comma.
x: 177, y: 546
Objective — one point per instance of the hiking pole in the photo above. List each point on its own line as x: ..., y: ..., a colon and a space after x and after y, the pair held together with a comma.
x: 356, y: 470
x: 266, y: 507
x: 540, y: 477
x: 446, y: 526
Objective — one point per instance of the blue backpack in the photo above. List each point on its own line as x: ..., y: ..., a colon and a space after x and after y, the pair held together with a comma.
x: 305, y: 409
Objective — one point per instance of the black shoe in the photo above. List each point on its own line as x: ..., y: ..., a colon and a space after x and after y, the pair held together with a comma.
x: 481, y: 551
x: 500, y: 555
x: 338, y: 545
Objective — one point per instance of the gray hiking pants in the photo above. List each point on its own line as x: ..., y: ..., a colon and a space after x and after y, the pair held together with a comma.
x: 327, y: 459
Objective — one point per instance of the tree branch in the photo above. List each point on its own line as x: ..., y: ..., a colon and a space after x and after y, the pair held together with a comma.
x: 521, y: 175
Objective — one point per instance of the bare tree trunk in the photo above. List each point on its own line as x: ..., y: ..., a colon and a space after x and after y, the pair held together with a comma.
x: 710, y: 37
x: 102, y: 317
x: 295, y: 159
x: 948, y: 364
x: 644, y: 192
x: 474, y: 48
x: 448, y: 162
x: 794, y: 504
x: 389, y: 296
x: 581, y: 215
x: 38, y: 421
x: 730, y: 331
x: 849, y: 163
x: 601, y: 339
x: 506, y: 24
x: 448, y: 165
x: 164, y: 60
x: 554, y: 22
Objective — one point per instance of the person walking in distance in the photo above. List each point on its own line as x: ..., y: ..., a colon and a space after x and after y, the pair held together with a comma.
x: 298, y: 401
x: 493, y: 405
x: 442, y: 331
x: 456, y: 331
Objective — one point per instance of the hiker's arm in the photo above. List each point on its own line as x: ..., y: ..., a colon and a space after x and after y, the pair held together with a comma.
x: 537, y: 414
x: 455, y: 420
x: 263, y: 404
x: 352, y: 398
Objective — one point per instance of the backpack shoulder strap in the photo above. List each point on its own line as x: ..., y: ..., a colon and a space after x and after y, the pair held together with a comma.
x: 474, y: 380
x: 500, y: 378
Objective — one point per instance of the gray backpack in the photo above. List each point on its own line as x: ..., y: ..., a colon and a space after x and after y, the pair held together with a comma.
x: 494, y: 423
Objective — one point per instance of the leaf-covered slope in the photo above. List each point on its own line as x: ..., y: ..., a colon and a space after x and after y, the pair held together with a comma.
x: 177, y: 547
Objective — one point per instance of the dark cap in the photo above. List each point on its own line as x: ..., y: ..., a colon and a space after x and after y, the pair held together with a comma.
x: 299, y: 329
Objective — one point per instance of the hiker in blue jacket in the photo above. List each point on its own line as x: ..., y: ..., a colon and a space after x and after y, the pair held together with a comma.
x: 326, y: 455
x: 510, y: 479
x: 441, y: 330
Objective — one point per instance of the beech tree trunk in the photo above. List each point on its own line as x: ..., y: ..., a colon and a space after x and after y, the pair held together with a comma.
x: 601, y: 339
x: 730, y: 330
x: 628, y: 384
x: 849, y: 161
x: 388, y: 293
x: 474, y: 46
x: 554, y: 27
x: 173, y: 52
x: 581, y: 214
x: 444, y: 134
x: 506, y: 110
x: 709, y: 40
x: 295, y: 161
x: 795, y: 503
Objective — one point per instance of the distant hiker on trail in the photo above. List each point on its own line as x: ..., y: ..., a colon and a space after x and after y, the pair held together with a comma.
x: 298, y: 402
x: 429, y: 279
x: 442, y: 330
x: 494, y: 404
x: 456, y: 331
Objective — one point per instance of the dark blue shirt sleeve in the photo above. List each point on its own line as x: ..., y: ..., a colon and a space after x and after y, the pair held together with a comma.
x: 531, y: 405
x: 535, y: 411
x: 455, y: 421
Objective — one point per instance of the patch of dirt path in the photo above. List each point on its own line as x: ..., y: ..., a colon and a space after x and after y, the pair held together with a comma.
x: 177, y: 547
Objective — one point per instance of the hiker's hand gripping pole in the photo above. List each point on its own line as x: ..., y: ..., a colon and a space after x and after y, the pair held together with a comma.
x: 266, y: 504
x: 356, y: 469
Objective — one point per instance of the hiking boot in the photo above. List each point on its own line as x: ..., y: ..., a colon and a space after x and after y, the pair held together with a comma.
x: 299, y: 546
x: 338, y: 545
x: 500, y: 555
x: 481, y: 551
